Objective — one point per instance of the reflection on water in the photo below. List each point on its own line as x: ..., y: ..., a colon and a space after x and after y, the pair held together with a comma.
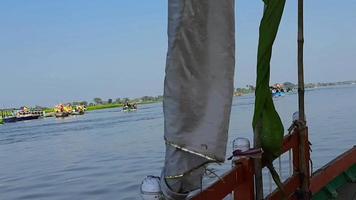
x: 105, y: 154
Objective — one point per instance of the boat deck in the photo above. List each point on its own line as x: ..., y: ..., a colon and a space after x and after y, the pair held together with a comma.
x: 347, y: 192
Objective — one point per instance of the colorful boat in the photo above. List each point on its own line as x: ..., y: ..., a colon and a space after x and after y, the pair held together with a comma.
x: 62, y: 110
x: 25, y: 114
x: 78, y: 110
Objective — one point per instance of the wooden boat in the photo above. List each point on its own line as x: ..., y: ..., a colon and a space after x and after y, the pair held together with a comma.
x: 129, y: 107
x: 28, y: 114
x: 78, y: 110
x: 62, y: 110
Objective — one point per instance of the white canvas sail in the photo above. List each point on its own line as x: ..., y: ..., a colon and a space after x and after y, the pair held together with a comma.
x: 198, y: 90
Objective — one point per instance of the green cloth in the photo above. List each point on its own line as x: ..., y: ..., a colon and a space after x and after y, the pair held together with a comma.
x: 266, y: 120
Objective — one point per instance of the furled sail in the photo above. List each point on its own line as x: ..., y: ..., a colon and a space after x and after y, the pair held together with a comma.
x: 198, y: 90
x: 266, y: 121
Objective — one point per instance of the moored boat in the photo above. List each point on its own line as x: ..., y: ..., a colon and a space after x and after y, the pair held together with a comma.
x: 78, y: 110
x: 25, y: 114
x: 62, y: 111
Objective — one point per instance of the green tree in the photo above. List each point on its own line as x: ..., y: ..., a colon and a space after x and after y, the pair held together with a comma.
x: 84, y: 103
x: 98, y: 100
x: 118, y: 101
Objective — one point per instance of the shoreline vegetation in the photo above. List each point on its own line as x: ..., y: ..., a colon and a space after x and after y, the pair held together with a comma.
x: 99, y: 104
x: 288, y: 86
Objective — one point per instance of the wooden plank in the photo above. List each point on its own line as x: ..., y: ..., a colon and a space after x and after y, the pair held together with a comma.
x: 245, y: 189
x: 227, y: 184
x: 290, y: 141
x: 304, y: 158
x: 290, y: 186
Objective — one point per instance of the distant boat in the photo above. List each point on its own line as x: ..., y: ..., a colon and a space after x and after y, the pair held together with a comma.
x: 78, y: 110
x: 129, y: 107
x: 62, y: 110
x: 26, y: 114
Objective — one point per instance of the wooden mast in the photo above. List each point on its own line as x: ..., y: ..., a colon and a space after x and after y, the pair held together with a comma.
x: 300, y: 61
x: 303, y: 131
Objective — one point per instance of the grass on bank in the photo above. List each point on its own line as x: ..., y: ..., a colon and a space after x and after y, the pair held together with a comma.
x: 118, y: 105
x: 104, y: 106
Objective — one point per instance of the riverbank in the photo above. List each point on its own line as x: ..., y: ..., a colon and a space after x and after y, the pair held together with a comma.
x: 48, y: 111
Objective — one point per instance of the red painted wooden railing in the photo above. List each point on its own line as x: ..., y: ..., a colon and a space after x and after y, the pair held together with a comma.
x: 240, y: 179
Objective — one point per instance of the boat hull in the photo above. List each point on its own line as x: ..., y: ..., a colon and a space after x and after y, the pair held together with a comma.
x: 78, y: 113
x: 61, y: 115
x: 25, y: 118
x: 9, y: 119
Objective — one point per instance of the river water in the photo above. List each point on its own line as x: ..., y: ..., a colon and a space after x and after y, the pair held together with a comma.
x: 105, y: 154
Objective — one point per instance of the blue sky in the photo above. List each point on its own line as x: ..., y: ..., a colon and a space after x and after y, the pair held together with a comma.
x: 62, y: 51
